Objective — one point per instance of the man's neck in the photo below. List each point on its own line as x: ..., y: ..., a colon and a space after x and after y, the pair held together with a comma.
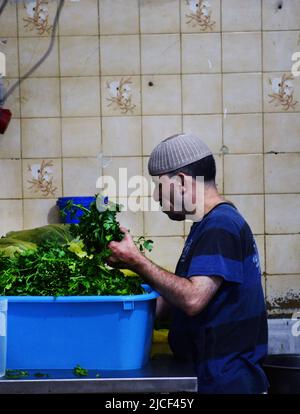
x: 211, y: 199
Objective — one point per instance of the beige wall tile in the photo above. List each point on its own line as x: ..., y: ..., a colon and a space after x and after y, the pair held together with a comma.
x: 119, y: 16
x: 133, y: 221
x: 11, y: 216
x: 79, y: 55
x: 283, y: 254
x: 161, y: 95
x: 10, y: 179
x: 242, y: 92
x: 80, y: 176
x: 122, y: 136
x: 120, y: 95
x: 282, y: 173
x: 40, y: 212
x: 10, y: 142
x: 42, y: 178
x: 281, y: 132
x: 207, y: 127
x: 158, y: 16
x: 158, y: 223
x: 120, y: 55
x: 26, y: 28
x: 260, y: 243
x: 282, y: 213
x: 13, y: 100
x: 40, y: 97
x: 31, y: 49
x: 80, y: 96
x: 41, y: 137
x: 278, y: 50
x: 115, y: 169
x: 238, y: 56
x: 201, y: 53
x: 292, y: 93
x: 283, y: 293
x: 280, y: 15
x: 160, y: 54
x: 166, y: 251
x: 189, y: 24
x: 157, y: 128
x: 243, y: 133
x: 9, y: 21
x: 201, y: 94
x: 79, y: 18
x: 81, y: 137
x: 10, y: 49
x: 240, y: 15
x: 187, y: 227
x: 252, y: 209
x: 243, y: 174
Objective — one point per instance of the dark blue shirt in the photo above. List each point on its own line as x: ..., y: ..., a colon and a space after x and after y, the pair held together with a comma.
x: 227, y: 340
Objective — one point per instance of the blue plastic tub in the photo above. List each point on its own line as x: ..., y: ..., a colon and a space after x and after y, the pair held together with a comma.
x: 69, y: 218
x: 96, y: 332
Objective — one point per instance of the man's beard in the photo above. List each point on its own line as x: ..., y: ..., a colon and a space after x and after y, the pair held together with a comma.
x: 178, y: 216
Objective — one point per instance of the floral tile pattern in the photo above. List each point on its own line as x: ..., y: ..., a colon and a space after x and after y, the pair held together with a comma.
x: 120, y: 95
x: 283, y: 92
x: 42, y: 178
x: 200, y: 14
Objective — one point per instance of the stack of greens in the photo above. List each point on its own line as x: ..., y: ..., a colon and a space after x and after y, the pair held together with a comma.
x: 72, y: 262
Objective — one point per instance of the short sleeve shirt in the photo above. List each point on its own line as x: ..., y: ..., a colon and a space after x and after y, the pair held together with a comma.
x: 227, y: 340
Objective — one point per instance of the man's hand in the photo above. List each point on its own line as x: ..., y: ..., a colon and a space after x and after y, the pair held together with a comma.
x: 125, y: 254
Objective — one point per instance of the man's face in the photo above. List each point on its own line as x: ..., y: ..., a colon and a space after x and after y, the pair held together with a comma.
x: 175, y: 195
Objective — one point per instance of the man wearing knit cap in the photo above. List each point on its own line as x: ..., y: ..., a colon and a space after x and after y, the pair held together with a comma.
x: 218, y: 316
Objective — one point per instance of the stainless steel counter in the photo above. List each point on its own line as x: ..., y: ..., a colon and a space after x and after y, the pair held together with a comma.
x: 161, y: 375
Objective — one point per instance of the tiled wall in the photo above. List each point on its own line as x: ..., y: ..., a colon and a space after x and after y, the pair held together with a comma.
x: 124, y: 74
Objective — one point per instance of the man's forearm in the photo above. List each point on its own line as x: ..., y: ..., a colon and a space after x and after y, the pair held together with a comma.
x: 175, y: 289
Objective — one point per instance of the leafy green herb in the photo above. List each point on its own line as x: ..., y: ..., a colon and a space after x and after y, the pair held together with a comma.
x: 16, y: 373
x: 80, y: 372
x: 72, y: 268
x: 53, y: 270
x: 41, y: 375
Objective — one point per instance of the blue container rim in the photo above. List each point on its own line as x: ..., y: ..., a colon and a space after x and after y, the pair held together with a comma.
x: 83, y: 198
x: 151, y: 294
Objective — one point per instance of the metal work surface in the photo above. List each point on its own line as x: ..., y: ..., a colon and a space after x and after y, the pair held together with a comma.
x: 161, y: 375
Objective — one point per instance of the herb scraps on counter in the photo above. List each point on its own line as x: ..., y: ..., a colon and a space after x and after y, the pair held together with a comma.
x: 80, y: 372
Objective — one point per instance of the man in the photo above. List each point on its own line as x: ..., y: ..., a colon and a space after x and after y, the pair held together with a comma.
x: 218, y: 309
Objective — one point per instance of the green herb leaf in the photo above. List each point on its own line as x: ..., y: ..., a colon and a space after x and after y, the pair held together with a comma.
x: 79, y: 371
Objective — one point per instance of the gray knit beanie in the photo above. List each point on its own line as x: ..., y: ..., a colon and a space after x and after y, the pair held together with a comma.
x: 175, y: 152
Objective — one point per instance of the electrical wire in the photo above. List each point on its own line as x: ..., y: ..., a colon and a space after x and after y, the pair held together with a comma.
x: 2, y: 7
x: 41, y: 60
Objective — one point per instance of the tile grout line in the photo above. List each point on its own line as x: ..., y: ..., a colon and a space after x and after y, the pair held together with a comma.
x: 21, y: 129
x: 100, y: 90
x: 141, y: 114
x: 185, y: 232
x: 263, y: 148
x: 222, y: 97
x: 162, y: 33
x: 60, y: 112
